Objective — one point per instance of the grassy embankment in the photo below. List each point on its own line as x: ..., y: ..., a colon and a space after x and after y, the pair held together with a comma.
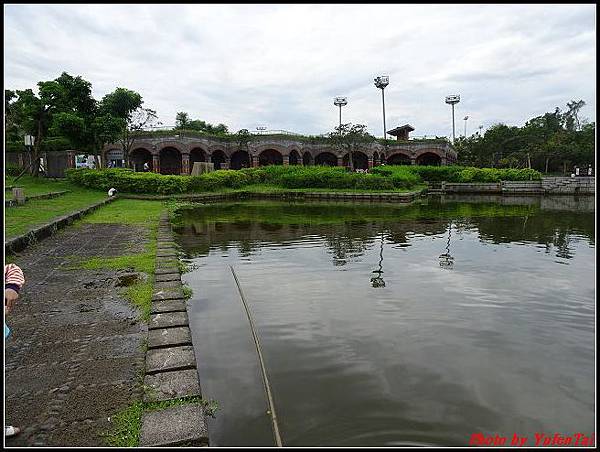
x: 19, y: 219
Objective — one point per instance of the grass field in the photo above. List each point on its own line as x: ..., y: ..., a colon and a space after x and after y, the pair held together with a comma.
x: 19, y: 219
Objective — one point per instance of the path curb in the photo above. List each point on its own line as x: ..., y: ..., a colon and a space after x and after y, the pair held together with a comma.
x: 171, y: 368
x: 20, y: 242
x: 54, y: 194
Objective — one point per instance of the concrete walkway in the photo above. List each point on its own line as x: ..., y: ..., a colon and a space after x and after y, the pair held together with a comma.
x: 75, y: 354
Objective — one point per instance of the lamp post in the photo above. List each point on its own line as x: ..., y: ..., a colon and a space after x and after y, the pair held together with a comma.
x: 452, y: 100
x: 465, y: 119
x: 340, y: 102
x: 381, y: 82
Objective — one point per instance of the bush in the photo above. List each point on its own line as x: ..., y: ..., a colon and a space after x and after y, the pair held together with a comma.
x: 218, y: 179
x: 458, y: 173
x: 13, y: 170
x: 126, y: 180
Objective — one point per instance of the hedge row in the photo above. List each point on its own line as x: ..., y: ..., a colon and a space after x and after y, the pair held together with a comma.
x: 381, y: 178
x: 460, y: 173
x: 126, y: 180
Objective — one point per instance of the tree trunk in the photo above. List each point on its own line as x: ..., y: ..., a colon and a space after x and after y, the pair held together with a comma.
x: 37, y: 147
x: 547, y: 160
x: 528, y: 161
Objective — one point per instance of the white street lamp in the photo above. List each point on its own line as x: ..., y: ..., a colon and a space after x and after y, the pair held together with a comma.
x: 465, y: 119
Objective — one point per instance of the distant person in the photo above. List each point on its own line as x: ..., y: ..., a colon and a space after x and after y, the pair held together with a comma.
x: 90, y: 162
x: 13, y: 281
x: 590, y: 170
x: 576, y: 171
x: 146, y: 167
x: 110, y: 164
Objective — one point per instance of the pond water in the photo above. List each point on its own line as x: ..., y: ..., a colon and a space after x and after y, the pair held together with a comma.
x: 388, y: 325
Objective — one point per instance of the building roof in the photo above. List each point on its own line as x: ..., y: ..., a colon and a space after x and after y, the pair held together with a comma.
x: 397, y: 130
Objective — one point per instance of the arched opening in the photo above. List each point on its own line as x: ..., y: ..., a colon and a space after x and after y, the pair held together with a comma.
x: 270, y: 157
x: 219, y: 159
x: 239, y: 160
x: 398, y: 159
x: 294, y: 158
x: 170, y: 161
x: 197, y: 155
x: 429, y: 158
x: 307, y: 159
x: 138, y: 157
x: 361, y: 161
x: 375, y: 159
x: 326, y: 159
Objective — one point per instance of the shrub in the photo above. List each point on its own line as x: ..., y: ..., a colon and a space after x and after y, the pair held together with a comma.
x: 13, y: 170
x: 458, y: 173
x: 126, y: 180
x: 218, y: 179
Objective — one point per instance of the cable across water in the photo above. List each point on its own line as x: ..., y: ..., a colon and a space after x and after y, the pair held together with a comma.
x: 263, y: 369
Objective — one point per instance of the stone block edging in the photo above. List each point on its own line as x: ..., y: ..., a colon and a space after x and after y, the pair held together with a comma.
x: 20, y: 242
x: 287, y: 196
x: 54, y: 194
x: 171, y: 368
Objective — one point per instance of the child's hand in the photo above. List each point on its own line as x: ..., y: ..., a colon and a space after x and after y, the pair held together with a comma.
x: 10, y: 298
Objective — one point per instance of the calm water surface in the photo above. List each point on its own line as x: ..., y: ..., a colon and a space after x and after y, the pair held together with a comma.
x: 389, y: 325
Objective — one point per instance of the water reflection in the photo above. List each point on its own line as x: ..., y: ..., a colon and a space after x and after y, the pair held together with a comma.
x: 446, y: 259
x: 502, y: 343
x: 350, y: 230
x: 377, y: 281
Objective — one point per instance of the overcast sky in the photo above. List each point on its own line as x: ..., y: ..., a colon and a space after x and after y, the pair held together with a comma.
x: 281, y: 65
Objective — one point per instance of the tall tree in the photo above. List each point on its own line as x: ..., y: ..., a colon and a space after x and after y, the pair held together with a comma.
x: 244, y: 137
x: 66, y: 94
x: 572, y: 114
x: 182, y: 120
x: 350, y: 138
x: 126, y: 105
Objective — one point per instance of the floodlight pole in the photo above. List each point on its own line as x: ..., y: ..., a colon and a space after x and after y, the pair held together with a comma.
x: 340, y: 102
x: 453, y: 100
x: 383, y: 103
x: 381, y: 82
x: 465, y: 118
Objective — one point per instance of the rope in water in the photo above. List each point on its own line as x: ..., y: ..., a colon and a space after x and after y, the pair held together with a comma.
x: 262, y: 364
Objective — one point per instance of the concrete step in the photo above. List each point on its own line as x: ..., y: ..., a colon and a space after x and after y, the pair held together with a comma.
x: 179, y: 425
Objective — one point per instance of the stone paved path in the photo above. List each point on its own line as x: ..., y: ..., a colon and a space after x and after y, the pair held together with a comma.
x: 75, y: 354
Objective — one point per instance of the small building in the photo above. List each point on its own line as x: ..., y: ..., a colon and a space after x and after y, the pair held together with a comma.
x: 401, y: 133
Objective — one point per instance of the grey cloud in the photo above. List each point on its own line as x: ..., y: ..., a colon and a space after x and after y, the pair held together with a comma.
x: 282, y: 64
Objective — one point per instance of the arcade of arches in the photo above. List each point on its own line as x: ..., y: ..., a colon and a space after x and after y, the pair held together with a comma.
x: 176, y: 160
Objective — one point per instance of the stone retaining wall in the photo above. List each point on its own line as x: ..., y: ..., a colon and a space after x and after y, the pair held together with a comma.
x: 22, y: 241
x: 287, y: 195
x: 171, y: 372
x: 54, y: 194
x: 548, y: 185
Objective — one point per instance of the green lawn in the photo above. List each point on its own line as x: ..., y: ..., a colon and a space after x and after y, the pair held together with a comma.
x: 19, y: 219
x: 36, y: 185
x: 127, y: 211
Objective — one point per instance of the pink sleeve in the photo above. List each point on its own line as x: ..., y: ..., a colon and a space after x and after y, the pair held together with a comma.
x: 13, y: 275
